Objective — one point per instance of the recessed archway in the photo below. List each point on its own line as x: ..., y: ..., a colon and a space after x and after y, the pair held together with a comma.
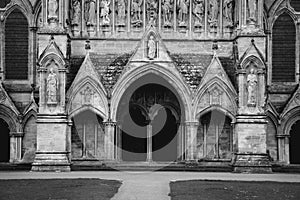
x: 215, y: 136
x: 294, y: 143
x: 87, y: 136
x: 149, y: 116
x: 4, y: 141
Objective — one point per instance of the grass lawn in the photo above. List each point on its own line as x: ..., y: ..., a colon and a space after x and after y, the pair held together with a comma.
x: 58, y: 189
x: 223, y: 190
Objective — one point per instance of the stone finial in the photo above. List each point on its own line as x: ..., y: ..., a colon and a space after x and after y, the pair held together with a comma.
x: 215, y: 47
x: 87, y: 45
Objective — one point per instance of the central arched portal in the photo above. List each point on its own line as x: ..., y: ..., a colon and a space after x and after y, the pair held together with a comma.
x: 149, y: 118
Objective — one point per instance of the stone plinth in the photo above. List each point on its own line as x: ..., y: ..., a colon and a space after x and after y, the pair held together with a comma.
x: 251, y: 157
x: 51, y: 154
x: 252, y: 163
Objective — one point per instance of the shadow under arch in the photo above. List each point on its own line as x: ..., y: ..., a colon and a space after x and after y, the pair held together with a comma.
x: 156, y: 109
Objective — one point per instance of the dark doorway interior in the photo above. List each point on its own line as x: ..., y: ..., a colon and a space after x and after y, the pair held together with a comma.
x: 295, y: 143
x: 164, y: 140
x: 4, y: 141
x: 134, y: 135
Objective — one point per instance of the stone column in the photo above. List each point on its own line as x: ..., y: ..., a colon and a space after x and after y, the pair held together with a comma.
x: 191, y: 138
x: 15, y: 146
x: 149, y: 142
x: 109, y: 139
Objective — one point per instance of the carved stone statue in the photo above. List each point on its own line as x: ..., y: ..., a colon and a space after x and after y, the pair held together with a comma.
x: 76, y: 12
x: 151, y: 47
x: 52, y: 10
x: 90, y: 12
x: 228, y: 12
x: 121, y: 11
x: 167, y: 12
x: 252, y: 6
x: 183, y: 11
x: 152, y: 9
x: 104, y: 13
x: 213, y: 13
x: 252, y: 87
x: 52, y: 84
x: 136, y: 10
x: 199, y: 12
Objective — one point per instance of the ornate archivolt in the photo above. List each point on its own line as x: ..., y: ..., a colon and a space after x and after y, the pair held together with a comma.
x: 132, y: 75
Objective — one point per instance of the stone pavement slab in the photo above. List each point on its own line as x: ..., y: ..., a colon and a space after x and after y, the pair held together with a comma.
x: 150, y: 185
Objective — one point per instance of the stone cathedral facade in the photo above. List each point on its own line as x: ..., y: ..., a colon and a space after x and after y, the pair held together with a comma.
x: 150, y: 81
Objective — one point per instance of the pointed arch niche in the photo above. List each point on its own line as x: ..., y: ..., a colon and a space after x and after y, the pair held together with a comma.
x: 214, y: 136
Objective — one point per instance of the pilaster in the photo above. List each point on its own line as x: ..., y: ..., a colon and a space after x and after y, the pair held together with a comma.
x: 15, y: 146
x: 191, y: 139
x: 109, y: 146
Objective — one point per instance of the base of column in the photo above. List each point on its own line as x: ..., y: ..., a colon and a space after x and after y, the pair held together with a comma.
x: 51, y: 161
x: 252, y: 163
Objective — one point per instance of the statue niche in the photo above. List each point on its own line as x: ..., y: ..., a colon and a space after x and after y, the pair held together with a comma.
x: 252, y: 9
x: 90, y: 14
x: 75, y: 17
x: 52, y: 87
x: 199, y: 12
x: 52, y: 11
x: 104, y: 12
x: 183, y: 7
x: 152, y: 9
x: 121, y: 13
x: 213, y: 13
x: 167, y: 8
x: 252, y: 81
x: 151, y: 47
x: 228, y: 13
x: 136, y: 13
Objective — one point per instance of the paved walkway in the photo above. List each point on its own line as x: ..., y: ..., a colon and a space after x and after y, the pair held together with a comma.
x: 150, y: 185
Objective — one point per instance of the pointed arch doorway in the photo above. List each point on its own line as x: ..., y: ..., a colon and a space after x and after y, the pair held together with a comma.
x: 4, y: 141
x: 149, y: 118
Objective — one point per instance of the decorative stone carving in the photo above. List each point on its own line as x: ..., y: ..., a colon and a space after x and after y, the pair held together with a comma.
x: 152, y: 49
x: 104, y: 12
x: 52, y: 11
x: 90, y: 12
x: 75, y: 17
x: 252, y: 88
x: 297, y: 99
x: 167, y: 8
x: 136, y: 13
x: 213, y: 13
x: 215, y: 96
x: 76, y: 12
x: 252, y: 6
x: 199, y: 11
x: 2, y: 96
x: 228, y: 13
x: 52, y: 85
x: 152, y: 9
x: 87, y: 95
x: 121, y: 12
x: 183, y: 6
